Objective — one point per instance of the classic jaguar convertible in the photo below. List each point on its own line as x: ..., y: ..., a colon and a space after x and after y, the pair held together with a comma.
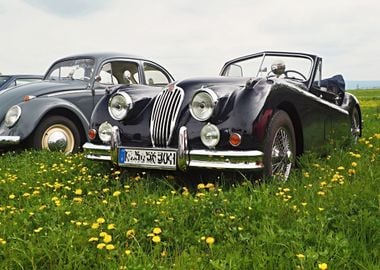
x: 54, y: 114
x: 263, y: 111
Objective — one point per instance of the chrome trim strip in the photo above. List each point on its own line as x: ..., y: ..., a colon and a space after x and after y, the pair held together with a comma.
x: 9, y: 140
x: 97, y: 152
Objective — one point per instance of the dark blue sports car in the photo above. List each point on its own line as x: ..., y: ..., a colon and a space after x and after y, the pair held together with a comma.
x: 263, y: 111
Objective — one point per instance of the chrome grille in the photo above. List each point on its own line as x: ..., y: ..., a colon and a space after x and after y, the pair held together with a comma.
x: 164, y: 115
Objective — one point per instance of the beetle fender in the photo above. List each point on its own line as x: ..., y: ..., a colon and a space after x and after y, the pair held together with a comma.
x: 33, y: 111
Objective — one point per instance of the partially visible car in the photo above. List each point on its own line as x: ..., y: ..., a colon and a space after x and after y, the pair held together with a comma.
x: 7, y: 81
x: 54, y: 114
x: 261, y: 113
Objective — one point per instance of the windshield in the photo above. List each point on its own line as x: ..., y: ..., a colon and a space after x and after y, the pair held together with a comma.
x: 3, y: 80
x: 76, y: 69
x: 287, y: 66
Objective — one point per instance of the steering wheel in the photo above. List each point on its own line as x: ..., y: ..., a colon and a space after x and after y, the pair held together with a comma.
x: 296, y: 72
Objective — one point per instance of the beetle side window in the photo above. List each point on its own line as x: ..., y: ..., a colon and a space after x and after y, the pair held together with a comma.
x: 119, y: 72
x: 155, y: 76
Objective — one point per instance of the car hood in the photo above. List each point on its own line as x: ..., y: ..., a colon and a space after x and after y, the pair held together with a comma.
x: 10, y: 97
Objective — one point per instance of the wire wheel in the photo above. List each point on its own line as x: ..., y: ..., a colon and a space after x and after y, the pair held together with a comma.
x: 282, y: 156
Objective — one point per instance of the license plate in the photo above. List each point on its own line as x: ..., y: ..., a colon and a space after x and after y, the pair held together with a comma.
x: 148, y: 158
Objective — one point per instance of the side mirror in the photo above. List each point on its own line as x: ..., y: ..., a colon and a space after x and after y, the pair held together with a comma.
x: 98, y: 78
x: 278, y: 68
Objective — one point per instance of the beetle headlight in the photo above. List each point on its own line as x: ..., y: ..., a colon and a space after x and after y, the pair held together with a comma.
x: 105, y: 132
x: 203, y: 104
x: 210, y: 135
x: 12, y: 116
x: 119, y: 105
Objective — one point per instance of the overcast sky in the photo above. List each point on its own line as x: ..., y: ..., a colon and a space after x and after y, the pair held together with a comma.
x: 192, y: 37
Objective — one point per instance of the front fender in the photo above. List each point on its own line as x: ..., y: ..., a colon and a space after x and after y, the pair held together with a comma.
x: 33, y: 111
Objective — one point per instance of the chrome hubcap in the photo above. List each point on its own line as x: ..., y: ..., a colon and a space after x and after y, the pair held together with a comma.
x: 58, y: 138
x: 282, y: 155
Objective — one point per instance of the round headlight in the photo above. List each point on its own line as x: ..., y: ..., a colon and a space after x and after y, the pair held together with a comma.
x: 210, y: 135
x: 203, y: 104
x: 12, y: 116
x: 119, y: 105
x: 105, y: 132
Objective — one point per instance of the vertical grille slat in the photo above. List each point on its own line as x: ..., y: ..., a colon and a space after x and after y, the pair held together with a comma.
x: 164, y: 115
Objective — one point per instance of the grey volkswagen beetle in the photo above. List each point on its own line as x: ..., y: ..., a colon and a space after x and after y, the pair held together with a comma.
x: 54, y: 114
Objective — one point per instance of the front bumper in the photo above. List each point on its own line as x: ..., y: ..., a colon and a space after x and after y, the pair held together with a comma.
x: 9, y: 140
x: 207, y: 159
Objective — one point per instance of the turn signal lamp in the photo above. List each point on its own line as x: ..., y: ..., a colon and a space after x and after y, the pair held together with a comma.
x: 92, y: 134
x: 235, y: 139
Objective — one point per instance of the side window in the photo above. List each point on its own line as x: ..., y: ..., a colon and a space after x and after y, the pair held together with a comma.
x: 155, y: 76
x: 119, y: 72
x: 318, y: 76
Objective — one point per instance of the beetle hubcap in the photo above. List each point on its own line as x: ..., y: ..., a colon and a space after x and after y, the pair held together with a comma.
x: 58, y: 138
x: 282, y: 155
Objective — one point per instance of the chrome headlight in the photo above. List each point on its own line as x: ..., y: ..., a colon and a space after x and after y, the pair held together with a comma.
x: 203, y: 104
x: 12, y: 116
x: 105, y: 132
x: 210, y: 135
x: 119, y: 105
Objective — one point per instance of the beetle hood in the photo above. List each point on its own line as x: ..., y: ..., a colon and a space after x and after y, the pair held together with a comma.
x: 13, y: 96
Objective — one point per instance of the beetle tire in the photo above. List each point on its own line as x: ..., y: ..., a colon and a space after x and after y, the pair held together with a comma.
x: 279, y: 147
x: 56, y: 133
x: 355, y: 124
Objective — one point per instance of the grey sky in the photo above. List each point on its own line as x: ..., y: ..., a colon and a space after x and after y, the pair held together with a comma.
x: 192, y: 37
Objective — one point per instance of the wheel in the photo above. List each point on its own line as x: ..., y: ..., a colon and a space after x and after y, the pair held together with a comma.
x: 279, y: 147
x: 56, y: 133
x: 355, y: 124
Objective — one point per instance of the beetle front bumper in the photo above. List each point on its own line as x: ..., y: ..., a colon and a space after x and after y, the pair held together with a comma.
x: 185, y: 158
x: 9, y: 140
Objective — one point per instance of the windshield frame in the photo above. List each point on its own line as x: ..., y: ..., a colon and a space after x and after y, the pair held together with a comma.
x: 88, y: 64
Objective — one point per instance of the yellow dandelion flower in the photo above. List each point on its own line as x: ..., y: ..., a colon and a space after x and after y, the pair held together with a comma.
x: 2, y: 241
x: 93, y: 239
x: 201, y: 186
x: 110, y: 247
x: 157, y: 230
x: 12, y: 196
x: 300, y: 256
x: 304, y: 204
x: 321, y: 193
x: 116, y: 193
x: 354, y: 164
x: 203, y: 238
x: 306, y: 174
x: 286, y: 189
x: 164, y: 253
x: 100, y: 246
x: 232, y: 217
x: 133, y: 204
x: 340, y: 168
x: 130, y: 233
x: 100, y: 220
x: 210, y: 186
x: 111, y: 226
x: 38, y: 230
x: 128, y: 252
x: 95, y: 225
x: 322, y: 266
x: 351, y: 172
x: 156, y: 239
x: 78, y: 199
x: 78, y: 191
x: 210, y: 240
x: 107, y: 238
x: 321, y: 209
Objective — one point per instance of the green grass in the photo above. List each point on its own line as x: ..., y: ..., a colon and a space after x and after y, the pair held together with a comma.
x: 65, y: 212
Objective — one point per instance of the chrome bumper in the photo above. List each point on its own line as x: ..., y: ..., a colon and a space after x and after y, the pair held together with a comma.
x: 9, y: 140
x: 207, y: 159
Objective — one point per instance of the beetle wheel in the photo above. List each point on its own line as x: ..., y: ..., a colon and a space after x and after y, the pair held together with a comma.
x: 56, y: 133
x: 279, y: 147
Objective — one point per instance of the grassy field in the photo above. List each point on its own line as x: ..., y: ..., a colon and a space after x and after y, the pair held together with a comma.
x: 64, y: 212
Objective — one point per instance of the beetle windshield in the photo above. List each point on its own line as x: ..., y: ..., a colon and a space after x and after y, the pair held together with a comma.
x: 296, y: 67
x: 76, y: 69
x: 3, y: 80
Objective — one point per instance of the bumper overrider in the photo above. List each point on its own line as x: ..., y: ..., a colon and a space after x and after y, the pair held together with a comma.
x: 171, y: 158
